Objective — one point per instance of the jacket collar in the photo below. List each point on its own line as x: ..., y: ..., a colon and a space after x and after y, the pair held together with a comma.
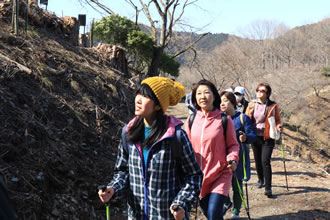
x: 237, y: 114
x: 171, y: 123
x: 210, y: 114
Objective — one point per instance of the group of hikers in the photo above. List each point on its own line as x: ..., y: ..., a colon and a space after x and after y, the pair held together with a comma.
x: 164, y: 170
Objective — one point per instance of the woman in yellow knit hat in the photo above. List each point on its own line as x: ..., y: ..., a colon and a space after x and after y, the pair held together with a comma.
x: 160, y: 184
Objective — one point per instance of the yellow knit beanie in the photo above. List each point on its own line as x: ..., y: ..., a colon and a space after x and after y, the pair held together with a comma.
x: 166, y: 90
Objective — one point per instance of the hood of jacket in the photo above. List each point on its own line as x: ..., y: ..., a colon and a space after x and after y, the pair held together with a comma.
x: 171, y: 123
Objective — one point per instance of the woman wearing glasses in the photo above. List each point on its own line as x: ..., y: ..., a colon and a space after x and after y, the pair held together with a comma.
x: 259, y: 111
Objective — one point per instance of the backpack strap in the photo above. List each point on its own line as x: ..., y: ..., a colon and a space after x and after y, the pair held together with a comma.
x: 124, y: 140
x: 177, y: 145
x: 224, y: 124
x: 191, y: 119
x: 241, y: 119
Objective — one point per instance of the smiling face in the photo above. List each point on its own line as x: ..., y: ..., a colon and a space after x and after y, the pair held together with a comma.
x: 145, y: 107
x: 204, y: 98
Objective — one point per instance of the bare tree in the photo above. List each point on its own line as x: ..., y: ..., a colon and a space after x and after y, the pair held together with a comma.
x: 289, y: 44
x: 163, y: 16
x: 95, y: 4
x: 166, y: 15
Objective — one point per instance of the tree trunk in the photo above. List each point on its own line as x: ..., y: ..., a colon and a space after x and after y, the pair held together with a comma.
x: 155, y: 62
x: 15, y: 16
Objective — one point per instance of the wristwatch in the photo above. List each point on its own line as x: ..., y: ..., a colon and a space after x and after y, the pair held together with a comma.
x: 232, y: 161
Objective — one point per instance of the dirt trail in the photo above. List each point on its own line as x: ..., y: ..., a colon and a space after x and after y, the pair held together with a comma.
x: 308, y: 196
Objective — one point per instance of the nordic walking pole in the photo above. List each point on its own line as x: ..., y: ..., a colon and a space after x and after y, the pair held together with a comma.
x: 241, y: 195
x: 107, y: 209
x: 246, y: 187
x: 283, y: 159
x: 247, y: 197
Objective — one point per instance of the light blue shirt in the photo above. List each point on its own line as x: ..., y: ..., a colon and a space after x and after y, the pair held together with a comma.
x: 145, y: 150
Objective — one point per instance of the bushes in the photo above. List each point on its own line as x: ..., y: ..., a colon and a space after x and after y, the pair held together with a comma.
x: 325, y: 71
x: 140, y: 45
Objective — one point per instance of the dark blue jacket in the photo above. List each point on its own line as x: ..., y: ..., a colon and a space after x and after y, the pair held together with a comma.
x: 250, y: 133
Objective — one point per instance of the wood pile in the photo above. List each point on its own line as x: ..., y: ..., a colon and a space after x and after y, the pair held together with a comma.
x: 113, y: 54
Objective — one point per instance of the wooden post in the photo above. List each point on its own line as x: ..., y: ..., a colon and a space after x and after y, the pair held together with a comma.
x: 26, y: 16
x: 91, y: 34
x: 16, y: 17
x: 14, y: 21
x: 13, y: 16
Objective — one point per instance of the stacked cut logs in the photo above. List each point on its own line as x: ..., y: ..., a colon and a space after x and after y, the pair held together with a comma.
x: 113, y: 54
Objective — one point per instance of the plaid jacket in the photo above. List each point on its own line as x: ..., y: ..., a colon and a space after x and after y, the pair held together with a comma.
x: 165, y: 180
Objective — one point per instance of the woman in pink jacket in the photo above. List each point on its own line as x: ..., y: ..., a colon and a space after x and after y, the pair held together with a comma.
x: 216, y: 154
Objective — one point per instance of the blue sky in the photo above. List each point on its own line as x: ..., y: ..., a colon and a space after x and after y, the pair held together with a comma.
x: 217, y: 16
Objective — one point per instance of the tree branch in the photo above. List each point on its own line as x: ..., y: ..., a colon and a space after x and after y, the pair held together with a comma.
x: 191, y: 45
x: 100, y: 5
x: 152, y: 24
x: 19, y: 66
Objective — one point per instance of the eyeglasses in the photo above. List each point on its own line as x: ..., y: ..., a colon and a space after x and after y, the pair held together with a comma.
x: 262, y: 91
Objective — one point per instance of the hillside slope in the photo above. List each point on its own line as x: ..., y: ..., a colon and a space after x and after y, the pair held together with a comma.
x: 59, y: 123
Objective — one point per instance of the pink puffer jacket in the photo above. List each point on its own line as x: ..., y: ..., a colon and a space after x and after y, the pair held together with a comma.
x: 212, y: 154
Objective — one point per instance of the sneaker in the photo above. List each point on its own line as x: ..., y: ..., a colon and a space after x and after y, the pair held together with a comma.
x: 260, y: 184
x: 268, y: 192
x: 226, y: 207
x: 234, y: 216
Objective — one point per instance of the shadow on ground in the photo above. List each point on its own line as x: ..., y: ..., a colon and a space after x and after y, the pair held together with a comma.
x: 301, y: 215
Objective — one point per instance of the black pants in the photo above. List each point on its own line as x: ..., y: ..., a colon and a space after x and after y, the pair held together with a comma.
x: 262, y: 151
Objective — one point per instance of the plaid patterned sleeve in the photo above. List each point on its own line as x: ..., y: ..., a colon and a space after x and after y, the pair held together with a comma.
x: 120, y: 177
x: 193, y: 175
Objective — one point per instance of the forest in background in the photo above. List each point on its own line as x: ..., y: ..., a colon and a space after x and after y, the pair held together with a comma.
x: 295, y: 62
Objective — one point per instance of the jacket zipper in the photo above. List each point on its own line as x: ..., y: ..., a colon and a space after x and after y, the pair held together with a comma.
x: 145, y: 174
x: 202, y: 137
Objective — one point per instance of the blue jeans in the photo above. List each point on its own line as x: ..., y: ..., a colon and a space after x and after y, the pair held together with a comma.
x: 212, y: 206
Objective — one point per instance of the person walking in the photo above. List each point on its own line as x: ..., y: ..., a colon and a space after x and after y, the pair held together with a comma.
x: 245, y: 133
x: 146, y: 163
x: 216, y: 150
x: 259, y: 111
x: 242, y: 104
